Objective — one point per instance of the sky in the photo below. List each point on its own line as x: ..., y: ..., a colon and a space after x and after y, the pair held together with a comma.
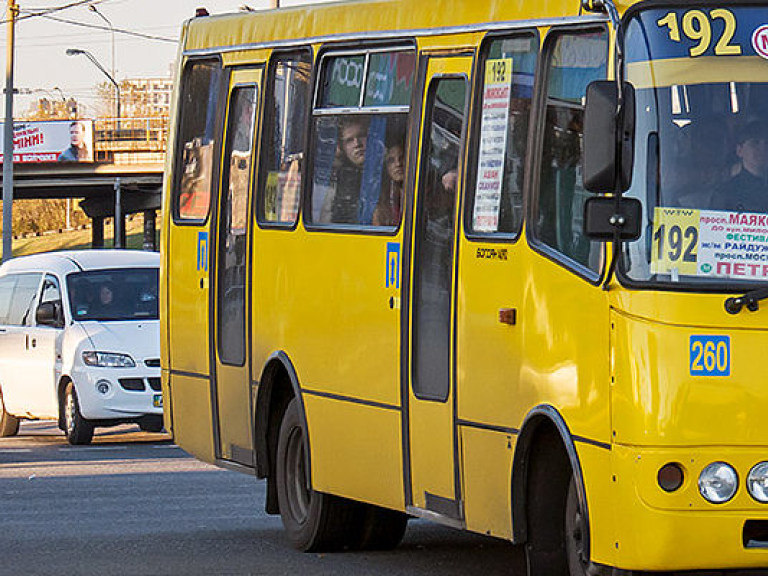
x: 41, y: 63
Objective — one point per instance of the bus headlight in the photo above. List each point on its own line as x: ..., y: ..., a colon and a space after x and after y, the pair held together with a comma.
x: 757, y: 482
x: 718, y: 482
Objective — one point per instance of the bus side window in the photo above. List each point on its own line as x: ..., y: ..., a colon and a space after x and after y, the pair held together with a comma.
x: 575, y: 58
x: 359, y: 159
x: 507, y: 70
x: 194, y: 166
x: 285, y: 124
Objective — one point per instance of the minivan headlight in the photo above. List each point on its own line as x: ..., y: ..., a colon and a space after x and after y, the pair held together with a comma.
x: 108, y: 360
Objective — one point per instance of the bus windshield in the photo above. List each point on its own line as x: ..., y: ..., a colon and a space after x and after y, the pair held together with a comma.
x: 701, y: 145
x: 114, y: 294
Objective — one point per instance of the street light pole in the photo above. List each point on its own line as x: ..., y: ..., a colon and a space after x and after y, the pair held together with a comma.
x: 8, y: 136
x: 96, y: 11
x: 78, y: 51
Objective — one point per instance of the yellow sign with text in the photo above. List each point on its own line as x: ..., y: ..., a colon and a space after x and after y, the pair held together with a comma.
x: 675, y: 241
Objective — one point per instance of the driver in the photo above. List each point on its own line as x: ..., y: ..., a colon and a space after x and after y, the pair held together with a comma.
x: 747, y: 190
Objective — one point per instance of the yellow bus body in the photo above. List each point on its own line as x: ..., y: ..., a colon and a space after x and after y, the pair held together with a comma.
x: 612, y: 364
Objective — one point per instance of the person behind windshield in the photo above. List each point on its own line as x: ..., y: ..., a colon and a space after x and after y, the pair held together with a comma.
x: 104, y: 305
x: 695, y: 174
x: 747, y: 190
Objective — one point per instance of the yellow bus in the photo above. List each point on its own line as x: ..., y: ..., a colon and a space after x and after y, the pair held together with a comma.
x: 494, y: 264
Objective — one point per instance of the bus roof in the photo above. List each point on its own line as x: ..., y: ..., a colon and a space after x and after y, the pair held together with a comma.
x: 334, y: 21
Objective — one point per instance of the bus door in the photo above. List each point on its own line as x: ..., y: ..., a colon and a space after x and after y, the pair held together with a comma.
x: 432, y: 440
x: 230, y: 305
x: 186, y: 256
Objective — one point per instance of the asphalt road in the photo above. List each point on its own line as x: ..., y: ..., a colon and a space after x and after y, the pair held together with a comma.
x: 134, y: 503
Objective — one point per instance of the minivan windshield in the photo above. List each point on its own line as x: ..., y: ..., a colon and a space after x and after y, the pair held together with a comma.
x: 114, y: 294
x: 700, y: 74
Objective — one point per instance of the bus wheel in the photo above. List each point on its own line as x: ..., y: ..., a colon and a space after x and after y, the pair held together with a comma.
x: 314, y: 521
x: 381, y: 528
x: 575, y: 533
x: 78, y: 429
x: 9, y: 425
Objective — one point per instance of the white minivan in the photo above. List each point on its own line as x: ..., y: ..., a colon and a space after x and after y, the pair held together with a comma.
x: 80, y: 341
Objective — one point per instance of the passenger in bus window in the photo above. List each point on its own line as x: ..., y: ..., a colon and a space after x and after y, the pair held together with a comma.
x: 349, y: 173
x: 389, y: 207
x: 747, y: 190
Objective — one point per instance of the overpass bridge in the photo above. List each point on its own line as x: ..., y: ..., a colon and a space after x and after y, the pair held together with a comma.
x: 127, y: 168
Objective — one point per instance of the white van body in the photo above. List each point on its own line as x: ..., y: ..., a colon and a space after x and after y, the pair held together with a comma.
x: 112, y: 363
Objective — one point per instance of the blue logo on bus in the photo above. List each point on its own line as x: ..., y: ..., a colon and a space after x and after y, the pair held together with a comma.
x: 710, y: 355
x: 393, y: 264
x: 202, y: 251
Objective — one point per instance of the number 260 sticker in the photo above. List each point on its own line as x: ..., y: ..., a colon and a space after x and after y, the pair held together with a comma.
x: 710, y: 355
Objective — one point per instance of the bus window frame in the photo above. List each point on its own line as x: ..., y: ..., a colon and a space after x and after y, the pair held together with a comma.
x: 351, y: 48
x: 539, y: 110
x: 260, y: 181
x: 223, y: 92
x: 473, y: 144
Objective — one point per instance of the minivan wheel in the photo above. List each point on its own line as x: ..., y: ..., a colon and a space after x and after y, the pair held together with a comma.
x: 78, y: 429
x: 9, y: 425
x: 151, y: 423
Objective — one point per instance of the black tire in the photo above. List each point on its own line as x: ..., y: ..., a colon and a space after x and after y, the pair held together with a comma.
x: 381, y: 528
x: 9, y: 425
x: 549, y: 475
x: 79, y: 431
x: 575, y: 533
x: 152, y: 424
x: 313, y: 521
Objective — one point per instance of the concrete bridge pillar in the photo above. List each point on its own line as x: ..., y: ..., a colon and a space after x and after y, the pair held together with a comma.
x: 97, y: 232
x: 150, y: 228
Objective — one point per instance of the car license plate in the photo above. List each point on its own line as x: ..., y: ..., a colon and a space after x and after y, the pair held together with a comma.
x: 157, y: 401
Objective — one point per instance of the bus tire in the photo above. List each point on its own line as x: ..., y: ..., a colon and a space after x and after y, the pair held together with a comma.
x: 381, y: 528
x: 313, y: 521
x: 549, y: 476
x: 575, y: 532
x: 78, y: 430
x: 9, y: 425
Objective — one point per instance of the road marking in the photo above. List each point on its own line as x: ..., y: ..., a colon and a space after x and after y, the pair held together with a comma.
x: 14, y: 450
x: 166, y: 447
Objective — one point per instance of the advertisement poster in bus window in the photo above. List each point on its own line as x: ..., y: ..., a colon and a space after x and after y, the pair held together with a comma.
x: 390, y: 79
x: 343, y: 87
x: 493, y: 144
x: 709, y: 243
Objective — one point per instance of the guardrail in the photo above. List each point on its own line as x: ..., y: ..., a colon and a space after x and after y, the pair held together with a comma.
x: 128, y: 135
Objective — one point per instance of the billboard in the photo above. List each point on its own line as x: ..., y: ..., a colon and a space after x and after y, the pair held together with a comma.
x: 51, y: 141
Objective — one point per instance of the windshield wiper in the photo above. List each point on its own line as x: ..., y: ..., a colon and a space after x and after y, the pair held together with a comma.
x: 751, y: 300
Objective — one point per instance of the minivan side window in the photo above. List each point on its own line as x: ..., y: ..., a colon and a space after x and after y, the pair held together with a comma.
x: 18, y: 293
x: 6, y: 296
x: 51, y: 293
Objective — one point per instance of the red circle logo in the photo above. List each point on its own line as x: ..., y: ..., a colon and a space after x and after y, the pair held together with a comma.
x: 760, y: 41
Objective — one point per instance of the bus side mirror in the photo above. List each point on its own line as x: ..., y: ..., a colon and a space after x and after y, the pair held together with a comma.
x: 608, y: 139
x: 603, y: 218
